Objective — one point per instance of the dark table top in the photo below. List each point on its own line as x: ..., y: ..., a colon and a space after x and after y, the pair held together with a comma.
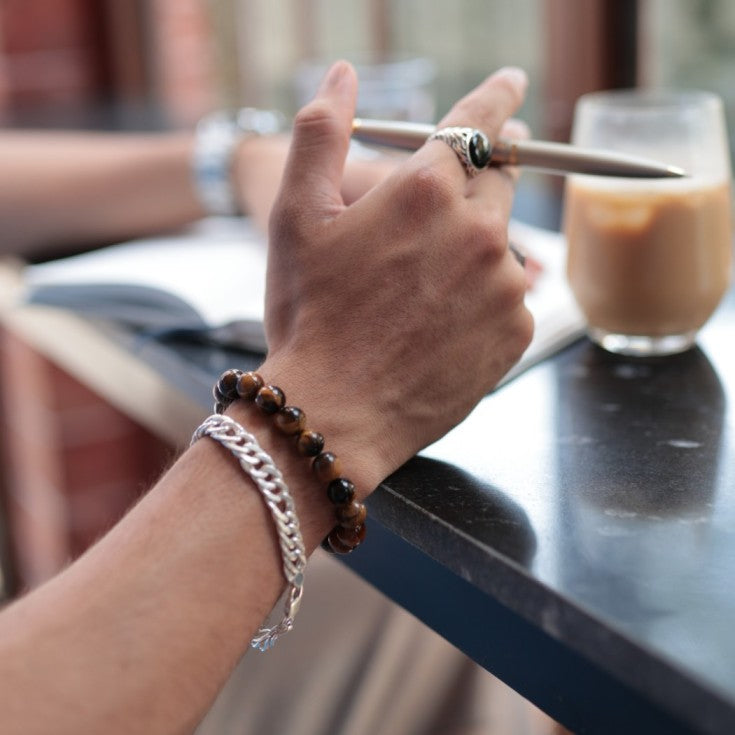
x: 575, y: 534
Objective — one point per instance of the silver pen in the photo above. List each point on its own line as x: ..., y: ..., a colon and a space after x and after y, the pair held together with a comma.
x: 543, y: 155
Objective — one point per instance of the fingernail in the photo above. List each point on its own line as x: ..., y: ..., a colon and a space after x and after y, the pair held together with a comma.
x: 514, y: 74
x: 334, y: 76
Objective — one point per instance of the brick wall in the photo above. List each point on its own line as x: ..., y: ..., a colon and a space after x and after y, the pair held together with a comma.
x: 57, y: 55
x: 72, y: 463
x: 48, y: 52
x: 182, y: 60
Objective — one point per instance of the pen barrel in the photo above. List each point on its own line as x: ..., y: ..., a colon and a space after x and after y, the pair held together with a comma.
x: 560, y: 157
x: 408, y: 135
x: 546, y: 156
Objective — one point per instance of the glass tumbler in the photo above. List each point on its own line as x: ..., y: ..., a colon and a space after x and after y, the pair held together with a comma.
x: 650, y: 259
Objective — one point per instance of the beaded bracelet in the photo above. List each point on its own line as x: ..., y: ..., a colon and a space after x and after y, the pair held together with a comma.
x: 259, y: 466
x: 349, y: 532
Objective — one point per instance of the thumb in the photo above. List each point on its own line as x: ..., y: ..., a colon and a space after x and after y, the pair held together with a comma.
x: 321, y: 138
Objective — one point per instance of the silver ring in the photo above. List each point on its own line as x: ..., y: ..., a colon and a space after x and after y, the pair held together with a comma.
x: 471, y: 146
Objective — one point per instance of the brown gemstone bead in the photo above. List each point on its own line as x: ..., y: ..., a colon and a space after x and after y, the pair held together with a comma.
x: 270, y: 399
x: 248, y: 385
x: 327, y: 467
x: 351, y: 515
x: 217, y: 394
x: 310, y: 443
x: 340, y: 490
x: 227, y: 384
x: 337, y: 546
x: 351, y: 537
x: 290, y: 420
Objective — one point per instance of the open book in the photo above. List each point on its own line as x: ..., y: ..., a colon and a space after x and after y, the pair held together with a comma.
x: 208, y: 282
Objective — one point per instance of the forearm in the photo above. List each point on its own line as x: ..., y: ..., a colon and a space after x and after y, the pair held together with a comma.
x: 76, y: 189
x: 68, y: 191
x: 138, y: 635
x: 196, y: 570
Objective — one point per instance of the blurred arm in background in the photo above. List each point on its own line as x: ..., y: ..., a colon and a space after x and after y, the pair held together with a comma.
x: 64, y: 191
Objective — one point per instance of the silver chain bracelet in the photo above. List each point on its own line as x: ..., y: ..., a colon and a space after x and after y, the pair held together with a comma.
x: 258, y: 465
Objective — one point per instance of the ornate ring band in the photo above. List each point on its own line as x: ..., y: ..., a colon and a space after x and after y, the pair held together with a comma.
x: 471, y: 146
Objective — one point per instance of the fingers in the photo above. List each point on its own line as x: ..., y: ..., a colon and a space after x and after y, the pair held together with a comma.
x: 321, y: 137
x: 491, y: 103
x: 487, y: 107
x: 485, y: 184
x: 515, y: 129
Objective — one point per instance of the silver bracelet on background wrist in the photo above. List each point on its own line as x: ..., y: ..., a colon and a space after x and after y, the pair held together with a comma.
x: 216, y: 139
x: 259, y: 466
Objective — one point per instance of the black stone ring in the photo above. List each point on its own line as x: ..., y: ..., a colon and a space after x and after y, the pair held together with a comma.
x: 471, y: 146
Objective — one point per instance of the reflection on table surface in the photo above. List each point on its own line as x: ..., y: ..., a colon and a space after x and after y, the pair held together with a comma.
x: 589, y: 505
x: 625, y: 470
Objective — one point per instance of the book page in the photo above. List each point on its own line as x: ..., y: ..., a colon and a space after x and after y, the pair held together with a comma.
x: 216, y: 265
x: 212, y: 276
x: 557, y: 318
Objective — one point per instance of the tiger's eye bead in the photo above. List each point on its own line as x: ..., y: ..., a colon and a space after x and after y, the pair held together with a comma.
x: 351, y: 515
x: 227, y: 384
x: 290, y: 420
x: 351, y: 537
x: 248, y: 385
x: 217, y: 394
x: 327, y: 467
x: 340, y: 491
x: 337, y: 546
x: 270, y: 399
x: 310, y: 443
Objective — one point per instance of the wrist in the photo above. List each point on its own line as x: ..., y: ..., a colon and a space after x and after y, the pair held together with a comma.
x: 217, y: 139
x: 351, y: 430
x: 329, y: 478
x: 316, y: 518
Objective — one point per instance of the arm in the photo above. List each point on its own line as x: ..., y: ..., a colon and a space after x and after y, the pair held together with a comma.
x: 140, y: 632
x: 64, y: 190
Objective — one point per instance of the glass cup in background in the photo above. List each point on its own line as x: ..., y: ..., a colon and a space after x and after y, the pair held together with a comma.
x: 400, y: 89
x: 650, y: 259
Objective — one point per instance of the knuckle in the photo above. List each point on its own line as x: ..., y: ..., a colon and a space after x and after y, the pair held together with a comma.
x: 518, y: 323
x: 496, y: 228
x: 287, y: 219
x: 428, y: 189
x: 317, y: 120
x: 488, y: 234
x: 517, y: 286
x: 525, y: 328
x: 510, y: 288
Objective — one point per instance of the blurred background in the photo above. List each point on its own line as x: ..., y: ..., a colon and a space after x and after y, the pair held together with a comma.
x: 161, y: 64
x: 155, y: 64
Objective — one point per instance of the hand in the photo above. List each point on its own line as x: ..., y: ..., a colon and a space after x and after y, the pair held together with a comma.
x: 259, y: 163
x: 389, y: 319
